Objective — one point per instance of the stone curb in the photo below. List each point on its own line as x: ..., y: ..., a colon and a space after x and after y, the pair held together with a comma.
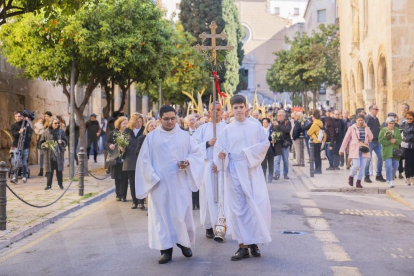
x: 54, y: 218
x: 311, y: 188
x: 393, y: 194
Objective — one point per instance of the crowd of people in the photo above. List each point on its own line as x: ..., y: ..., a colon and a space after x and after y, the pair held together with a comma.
x: 171, y: 163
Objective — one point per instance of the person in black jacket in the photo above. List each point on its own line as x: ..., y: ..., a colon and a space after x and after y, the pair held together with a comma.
x: 408, y: 145
x: 284, y: 126
x: 121, y: 178
x: 270, y: 155
x: 135, y: 130
x: 94, y: 131
x: 297, y: 131
x: 150, y: 126
x: 374, y: 125
x: 330, y: 140
x: 17, y: 130
x: 339, y: 134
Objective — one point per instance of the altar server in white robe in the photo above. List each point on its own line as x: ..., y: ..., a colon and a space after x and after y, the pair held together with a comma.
x: 204, y: 136
x: 169, y: 184
x: 243, y: 145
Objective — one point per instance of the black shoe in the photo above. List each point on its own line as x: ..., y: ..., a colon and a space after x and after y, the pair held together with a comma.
x: 367, y: 180
x: 96, y: 161
x: 118, y: 199
x: 254, y: 250
x: 40, y: 173
x: 400, y: 176
x: 317, y: 172
x: 241, y: 254
x: 276, y: 177
x: 142, y: 207
x: 210, y: 233
x: 124, y: 200
x: 166, y: 256
x: 48, y: 188
x: 61, y: 187
x: 134, y: 206
x: 286, y: 177
x: 185, y: 250
x: 380, y: 179
x: 337, y: 168
x: 330, y: 169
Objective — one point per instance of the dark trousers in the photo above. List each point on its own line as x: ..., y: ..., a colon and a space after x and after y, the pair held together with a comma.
x: 196, y: 199
x: 121, y: 187
x: 76, y: 155
x: 409, y: 163
x: 401, y: 166
x: 269, y: 159
x: 93, y: 143
x: 131, y: 178
x: 318, y: 160
x: 59, y: 175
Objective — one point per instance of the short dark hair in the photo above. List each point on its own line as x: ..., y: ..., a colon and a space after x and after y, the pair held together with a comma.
x: 316, y: 114
x: 238, y: 99
x: 18, y: 112
x: 406, y: 106
x: 115, y: 114
x: 409, y: 113
x: 360, y: 116
x: 167, y: 108
x: 359, y: 110
x: 48, y: 113
x: 266, y: 119
x: 371, y: 106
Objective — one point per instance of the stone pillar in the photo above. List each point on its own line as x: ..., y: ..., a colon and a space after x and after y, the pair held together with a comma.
x: 369, y: 97
x: 117, y: 97
x: 133, y: 97
x: 144, y: 105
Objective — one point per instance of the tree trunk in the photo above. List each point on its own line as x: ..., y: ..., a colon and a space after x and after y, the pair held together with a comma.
x: 124, y: 90
x: 305, y: 102
x: 107, y: 109
x: 314, y: 99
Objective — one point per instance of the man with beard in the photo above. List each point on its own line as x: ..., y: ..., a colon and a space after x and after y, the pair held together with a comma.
x: 169, y: 168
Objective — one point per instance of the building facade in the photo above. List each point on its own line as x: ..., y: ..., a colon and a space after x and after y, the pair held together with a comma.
x: 377, y: 54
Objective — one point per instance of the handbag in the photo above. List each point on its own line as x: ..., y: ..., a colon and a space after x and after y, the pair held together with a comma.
x: 113, y: 156
x: 286, y: 143
x: 363, y: 147
x: 397, y: 153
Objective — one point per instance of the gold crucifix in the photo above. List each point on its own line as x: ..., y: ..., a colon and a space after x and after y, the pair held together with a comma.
x: 214, y: 48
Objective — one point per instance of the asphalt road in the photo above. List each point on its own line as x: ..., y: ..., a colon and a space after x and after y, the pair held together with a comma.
x: 342, y: 234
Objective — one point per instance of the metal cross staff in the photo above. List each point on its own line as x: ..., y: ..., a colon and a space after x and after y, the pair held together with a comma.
x: 214, y: 48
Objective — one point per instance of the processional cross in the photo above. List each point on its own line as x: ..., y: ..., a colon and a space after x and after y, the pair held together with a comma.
x: 213, y: 49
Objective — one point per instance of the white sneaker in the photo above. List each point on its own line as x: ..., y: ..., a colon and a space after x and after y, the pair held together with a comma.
x: 391, y: 184
x: 24, y: 179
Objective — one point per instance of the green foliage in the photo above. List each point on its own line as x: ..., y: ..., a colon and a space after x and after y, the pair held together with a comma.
x: 310, y: 62
x: 186, y: 72
x: 196, y: 16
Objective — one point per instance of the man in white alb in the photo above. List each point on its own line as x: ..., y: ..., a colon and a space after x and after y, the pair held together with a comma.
x: 243, y: 145
x: 169, y: 168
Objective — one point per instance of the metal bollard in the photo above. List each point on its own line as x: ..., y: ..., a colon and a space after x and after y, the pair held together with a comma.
x: 81, y: 157
x: 294, y: 152
x: 302, y: 150
x: 312, y: 158
x: 3, y: 195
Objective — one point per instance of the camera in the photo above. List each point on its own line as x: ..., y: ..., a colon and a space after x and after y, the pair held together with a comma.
x: 28, y: 114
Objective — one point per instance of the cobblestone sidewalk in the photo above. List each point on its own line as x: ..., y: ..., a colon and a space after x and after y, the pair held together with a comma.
x: 22, y: 220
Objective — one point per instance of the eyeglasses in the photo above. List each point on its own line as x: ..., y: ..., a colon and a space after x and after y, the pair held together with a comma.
x: 376, y: 109
x: 170, y: 119
x: 55, y: 123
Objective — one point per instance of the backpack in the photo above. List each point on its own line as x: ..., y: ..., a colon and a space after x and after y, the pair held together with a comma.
x: 321, y: 134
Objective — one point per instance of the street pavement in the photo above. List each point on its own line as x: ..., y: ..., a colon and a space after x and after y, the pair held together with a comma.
x: 341, y: 234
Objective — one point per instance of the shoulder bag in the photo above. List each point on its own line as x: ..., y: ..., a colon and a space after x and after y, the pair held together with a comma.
x: 364, y: 148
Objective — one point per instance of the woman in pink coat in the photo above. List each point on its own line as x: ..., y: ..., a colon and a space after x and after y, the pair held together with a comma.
x: 357, y: 135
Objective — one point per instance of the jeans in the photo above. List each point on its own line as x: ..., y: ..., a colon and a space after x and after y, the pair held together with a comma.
x: 307, y: 144
x: 285, y: 156
x: 93, y: 143
x: 317, y: 157
x: 359, y: 163
x: 391, y: 167
x: 102, y: 144
x: 336, y: 157
x: 25, y: 157
x: 329, y: 155
x: 376, y: 147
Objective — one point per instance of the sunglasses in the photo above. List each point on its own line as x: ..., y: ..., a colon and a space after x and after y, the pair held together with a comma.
x: 55, y: 123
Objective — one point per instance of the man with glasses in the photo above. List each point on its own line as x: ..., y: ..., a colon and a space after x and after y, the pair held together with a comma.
x: 374, y: 125
x: 169, y: 168
x: 16, y: 131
